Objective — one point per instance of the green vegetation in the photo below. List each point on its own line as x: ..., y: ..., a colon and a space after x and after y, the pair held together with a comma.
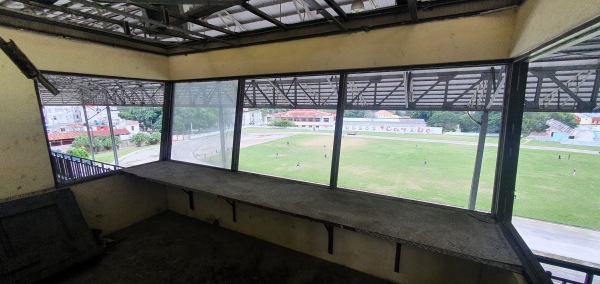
x: 282, y: 123
x: 79, y: 152
x: 140, y: 138
x: 149, y: 117
x: 546, y: 188
x: 109, y: 158
x: 154, y: 138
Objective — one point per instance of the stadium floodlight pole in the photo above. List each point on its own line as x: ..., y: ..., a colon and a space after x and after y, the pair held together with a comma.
x: 221, y: 88
x: 478, y: 160
x: 112, y: 135
x: 87, y: 122
x: 337, y: 136
x: 490, y: 88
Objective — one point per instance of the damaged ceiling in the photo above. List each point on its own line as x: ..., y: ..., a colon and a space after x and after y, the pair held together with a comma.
x: 188, y: 26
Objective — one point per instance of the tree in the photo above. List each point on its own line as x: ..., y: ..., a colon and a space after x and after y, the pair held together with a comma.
x: 154, y: 138
x: 140, y: 138
x: 354, y: 113
x: 282, y: 123
x: 149, y: 116
x: 81, y: 141
x: 445, y: 119
x: 534, y: 122
x: 79, y: 152
x: 566, y: 118
x: 187, y: 118
x: 420, y: 114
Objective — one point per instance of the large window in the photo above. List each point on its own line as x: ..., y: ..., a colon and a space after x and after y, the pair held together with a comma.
x: 203, y: 122
x: 288, y: 125
x: 96, y: 125
x: 556, y: 194
x: 416, y: 134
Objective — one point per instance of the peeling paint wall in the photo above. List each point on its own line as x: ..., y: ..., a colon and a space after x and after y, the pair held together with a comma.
x: 485, y: 37
x: 119, y: 201
x: 539, y: 21
x: 355, y: 250
x: 24, y: 162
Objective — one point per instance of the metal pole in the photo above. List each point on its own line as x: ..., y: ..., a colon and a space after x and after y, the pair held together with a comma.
x: 112, y: 136
x: 237, y: 134
x: 222, y: 131
x: 87, y: 122
x: 166, y: 137
x: 337, y: 135
x: 510, y: 139
x: 478, y: 160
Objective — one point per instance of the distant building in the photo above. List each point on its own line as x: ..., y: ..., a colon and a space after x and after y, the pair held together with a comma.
x: 587, y: 118
x: 252, y: 117
x: 305, y: 118
x: 385, y: 114
x: 66, y: 138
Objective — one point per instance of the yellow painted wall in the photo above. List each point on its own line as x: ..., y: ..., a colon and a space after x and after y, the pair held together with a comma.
x: 456, y: 40
x: 119, y: 201
x: 359, y: 251
x: 24, y: 161
x: 538, y: 21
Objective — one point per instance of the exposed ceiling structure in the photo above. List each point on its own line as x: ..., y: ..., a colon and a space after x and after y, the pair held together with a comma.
x: 187, y: 26
x: 566, y: 80
x: 84, y: 90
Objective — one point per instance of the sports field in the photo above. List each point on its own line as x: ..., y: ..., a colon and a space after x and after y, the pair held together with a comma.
x: 546, y: 187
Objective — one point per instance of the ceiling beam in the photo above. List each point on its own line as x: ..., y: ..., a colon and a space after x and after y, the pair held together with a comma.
x: 263, y: 15
x: 149, y: 21
x: 338, y: 10
x: 185, y: 18
x: 313, y: 5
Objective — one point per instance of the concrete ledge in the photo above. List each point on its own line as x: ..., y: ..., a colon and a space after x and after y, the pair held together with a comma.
x: 450, y: 231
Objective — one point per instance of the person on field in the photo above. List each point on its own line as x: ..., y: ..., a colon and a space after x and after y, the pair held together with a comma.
x: 574, y: 172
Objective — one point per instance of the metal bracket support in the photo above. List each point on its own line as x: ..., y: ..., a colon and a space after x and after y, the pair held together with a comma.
x: 329, y: 229
x: 190, y: 198
x: 397, y: 261
x: 233, y: 208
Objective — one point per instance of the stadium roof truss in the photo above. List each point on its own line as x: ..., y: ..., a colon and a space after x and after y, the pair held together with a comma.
x: 83, y: 90
x: 186, y: 26
x: 566, y: 80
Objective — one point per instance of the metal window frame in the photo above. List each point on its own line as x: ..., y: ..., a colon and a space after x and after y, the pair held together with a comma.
x: 75, y: 74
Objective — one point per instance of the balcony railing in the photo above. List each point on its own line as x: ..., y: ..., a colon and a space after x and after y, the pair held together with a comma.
x: 70, y: 168
x: 588, y: 271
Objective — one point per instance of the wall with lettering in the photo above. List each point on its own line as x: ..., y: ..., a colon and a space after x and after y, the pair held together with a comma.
x: 390, y: 128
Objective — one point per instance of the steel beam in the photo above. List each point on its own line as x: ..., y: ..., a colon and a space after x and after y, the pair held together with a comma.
x: 508, y: 145
x: 186, y: 18
x: 337, y: 134
x: 263, y: 15
x: 338, y: 10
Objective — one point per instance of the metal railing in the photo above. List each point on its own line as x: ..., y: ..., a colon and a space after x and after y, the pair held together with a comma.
x: 588, y: 271
x: 70, y: 168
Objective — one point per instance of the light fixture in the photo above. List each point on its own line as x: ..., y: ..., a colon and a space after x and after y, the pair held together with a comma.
x: 357, y: 6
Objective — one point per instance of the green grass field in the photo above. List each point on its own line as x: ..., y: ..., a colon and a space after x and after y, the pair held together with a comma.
x: 546, y: 188
x: 109, y: 158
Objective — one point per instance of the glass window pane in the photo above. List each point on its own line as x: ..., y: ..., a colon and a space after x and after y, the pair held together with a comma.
x: 415, y: 134
x: 288, y: 126
x: 137, y: 133
x: 203, y: 122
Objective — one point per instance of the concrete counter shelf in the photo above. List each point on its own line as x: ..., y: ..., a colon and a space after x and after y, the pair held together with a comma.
x: 452, y: 231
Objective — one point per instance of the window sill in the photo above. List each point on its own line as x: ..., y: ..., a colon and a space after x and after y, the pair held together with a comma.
x: 450, y: 231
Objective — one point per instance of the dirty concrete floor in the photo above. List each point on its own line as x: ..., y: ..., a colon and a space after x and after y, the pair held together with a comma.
x: 171, y: 248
